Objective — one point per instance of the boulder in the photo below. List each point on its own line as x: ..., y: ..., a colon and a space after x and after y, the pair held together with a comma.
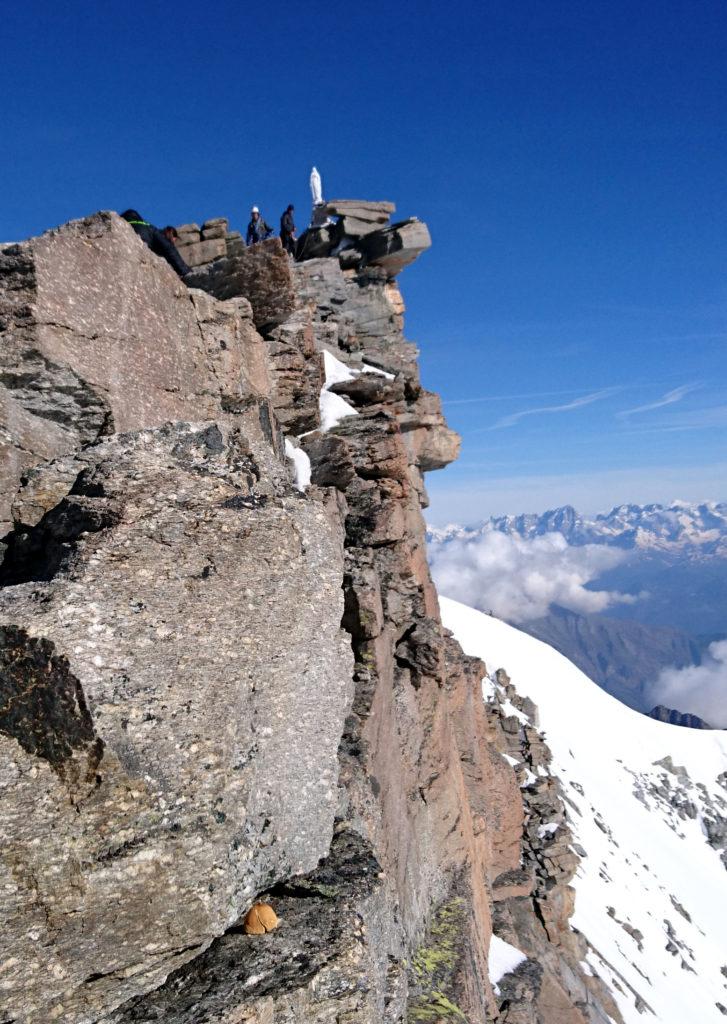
x: 216, y: 231
x: 317, y: 242
x: 330, y: 458
x: 215, y: 222
x: 395, y: 247
x: 98, y: 334
x: 235, y: 243
x: 173, y: 686
x: 197, y: 254
x: 369, y: 389
x: 260, y: 273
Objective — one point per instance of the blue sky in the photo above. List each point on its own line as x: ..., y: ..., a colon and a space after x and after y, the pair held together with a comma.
x: 570, y: 159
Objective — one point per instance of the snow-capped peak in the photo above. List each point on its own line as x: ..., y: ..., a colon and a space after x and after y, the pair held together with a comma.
x: 679, y: 527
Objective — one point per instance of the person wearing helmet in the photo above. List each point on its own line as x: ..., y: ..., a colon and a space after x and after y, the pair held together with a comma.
x: 257, y: 229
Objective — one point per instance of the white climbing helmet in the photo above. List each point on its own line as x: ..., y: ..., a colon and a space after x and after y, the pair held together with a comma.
x: 254, y: 210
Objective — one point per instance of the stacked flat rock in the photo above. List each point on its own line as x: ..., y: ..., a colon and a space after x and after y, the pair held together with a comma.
x: 363, y: 236
x: 359, y: 217
x: 214, y: 239
x: 396, y: 246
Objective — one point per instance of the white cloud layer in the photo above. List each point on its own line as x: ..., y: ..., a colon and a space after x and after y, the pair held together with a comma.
x: 697, y: 690
x: 519, y: 579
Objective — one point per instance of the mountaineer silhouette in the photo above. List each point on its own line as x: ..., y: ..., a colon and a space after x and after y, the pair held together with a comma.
x: 287, y: 230
x: 157, y: 241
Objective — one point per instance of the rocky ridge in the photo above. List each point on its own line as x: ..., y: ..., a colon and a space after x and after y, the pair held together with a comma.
x: 216, y: 689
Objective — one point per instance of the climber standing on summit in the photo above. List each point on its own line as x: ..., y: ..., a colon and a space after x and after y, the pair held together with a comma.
x: 157, y: 241
x: 287, y: 230
x: 257, y: 229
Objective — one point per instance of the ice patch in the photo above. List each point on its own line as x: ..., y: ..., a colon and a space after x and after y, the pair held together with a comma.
x: 509, y: 709
x: 368, y: 368
x: 301, y: 465
x: 547, y: 830
x: 334, y: 408
x: 502, y: 959
x: 336, y: 371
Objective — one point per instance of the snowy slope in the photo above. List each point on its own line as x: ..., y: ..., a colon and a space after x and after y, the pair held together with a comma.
x: 648, y: 865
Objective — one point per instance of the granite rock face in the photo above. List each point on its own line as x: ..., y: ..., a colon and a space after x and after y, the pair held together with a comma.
x: 98, y: 334
x: 216, y: 690
x: 173, y: 687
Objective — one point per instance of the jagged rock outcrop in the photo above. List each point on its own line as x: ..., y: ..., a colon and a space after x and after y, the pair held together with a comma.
x: 215, y: 690
x: 533, y: 904
x: 686, y: 720
x: 214, y: 239
x: 358, y: 232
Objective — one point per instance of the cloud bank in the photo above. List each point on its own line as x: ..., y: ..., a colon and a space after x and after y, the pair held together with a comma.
x: 697, y: 690
x: 519, y: 579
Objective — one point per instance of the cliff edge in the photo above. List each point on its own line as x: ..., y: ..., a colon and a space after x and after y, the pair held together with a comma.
x: 220, y: 683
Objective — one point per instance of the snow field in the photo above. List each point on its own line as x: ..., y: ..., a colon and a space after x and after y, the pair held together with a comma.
x: 651, y: 894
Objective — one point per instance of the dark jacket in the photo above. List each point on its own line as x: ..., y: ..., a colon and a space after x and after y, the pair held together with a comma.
x: 287, y: 227
x: 160, y: 244
x: 257, y: 230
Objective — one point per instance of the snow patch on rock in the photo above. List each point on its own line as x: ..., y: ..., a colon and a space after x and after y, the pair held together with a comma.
x: 503, y: 959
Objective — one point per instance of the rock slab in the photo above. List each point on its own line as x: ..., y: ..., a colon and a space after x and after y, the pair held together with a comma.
x: 173, y: 689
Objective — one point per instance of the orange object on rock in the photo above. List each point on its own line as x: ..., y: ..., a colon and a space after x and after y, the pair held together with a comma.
x: 259, y: 919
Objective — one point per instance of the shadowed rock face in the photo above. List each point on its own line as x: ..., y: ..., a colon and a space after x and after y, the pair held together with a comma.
x: 215, y: 690
x: 42, y: 705
x: 662, y: 714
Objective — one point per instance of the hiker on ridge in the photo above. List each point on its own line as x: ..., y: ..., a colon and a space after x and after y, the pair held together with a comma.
x: 157, y: 241
x: 257, y: 229
x: 287, y: 230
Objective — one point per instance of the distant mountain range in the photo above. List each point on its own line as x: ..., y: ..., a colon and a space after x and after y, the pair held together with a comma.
x: 675, y: 562
x: 689, y: 530
x: 622, y: 657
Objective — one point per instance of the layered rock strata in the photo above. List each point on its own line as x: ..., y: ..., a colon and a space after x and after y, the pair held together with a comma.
x: 216, y: 690
x: 213, y: 240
